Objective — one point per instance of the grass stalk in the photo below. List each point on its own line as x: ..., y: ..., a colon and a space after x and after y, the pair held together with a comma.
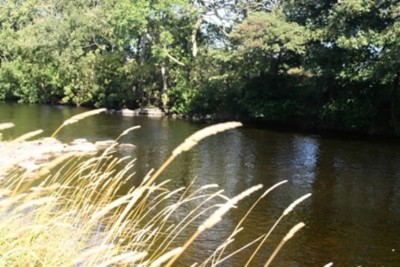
x: 71, y: 211
x: 77, y: 118
x: 192, y: 141
x: 244, y: 217
x: 285, y: 212
x: 288, y: 236
x: 215, y: 218
x: 127, y: 131
x: 6, y: 125
x: 27, y: 136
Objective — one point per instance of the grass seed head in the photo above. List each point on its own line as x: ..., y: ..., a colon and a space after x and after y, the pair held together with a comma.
x: 6, y: 125
x: 195, y: 138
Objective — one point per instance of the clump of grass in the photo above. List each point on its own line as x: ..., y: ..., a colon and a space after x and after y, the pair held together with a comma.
x: 70, y: 212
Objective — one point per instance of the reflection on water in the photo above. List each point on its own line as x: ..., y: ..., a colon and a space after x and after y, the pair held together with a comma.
x: 352, y: 218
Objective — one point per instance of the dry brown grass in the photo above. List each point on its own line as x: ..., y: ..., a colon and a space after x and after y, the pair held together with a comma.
x: 69, y: 212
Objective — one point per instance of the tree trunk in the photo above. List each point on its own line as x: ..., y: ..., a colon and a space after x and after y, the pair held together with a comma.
x: 193, y: 36
x: 140, y: 83
x: 395, y: 108
x: 164, y: 94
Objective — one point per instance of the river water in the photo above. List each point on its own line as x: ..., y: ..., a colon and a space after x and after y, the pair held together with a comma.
x: 352, y: 217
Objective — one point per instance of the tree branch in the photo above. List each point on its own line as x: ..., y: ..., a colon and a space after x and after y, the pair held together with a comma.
x: 173, y: 58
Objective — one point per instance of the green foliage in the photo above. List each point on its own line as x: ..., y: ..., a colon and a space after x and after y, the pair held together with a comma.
x: 269, y: 59
x: 349, y: 112
x: 270, y: 33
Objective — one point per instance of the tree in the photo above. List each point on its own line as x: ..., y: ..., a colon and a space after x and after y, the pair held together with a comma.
x: 269, y: 45
x: 330, y: 62
x: 368, y: 32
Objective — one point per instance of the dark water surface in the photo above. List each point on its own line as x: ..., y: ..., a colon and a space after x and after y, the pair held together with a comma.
x: 352, y: 218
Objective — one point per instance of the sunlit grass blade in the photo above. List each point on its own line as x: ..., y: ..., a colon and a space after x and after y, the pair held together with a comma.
x: 288, y: 236
x: 215, y: 218
x: 6, y: 125
x: 127, y: 131
x: 77, y: 118
x: 76, y: 211
x: 27, y: 136
x: 193, y: 140
x: 285, y: 213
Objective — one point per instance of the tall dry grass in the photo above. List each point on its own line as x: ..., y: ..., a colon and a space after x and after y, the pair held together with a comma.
x: 70, y: 211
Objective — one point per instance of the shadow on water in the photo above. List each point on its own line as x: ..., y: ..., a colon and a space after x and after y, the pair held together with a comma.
x: 352, y: 217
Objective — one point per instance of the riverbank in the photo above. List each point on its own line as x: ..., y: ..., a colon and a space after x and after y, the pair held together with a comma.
x: 375, y: 132
x: 379, y: 130
x: 30, y: 156
x: 304, y: 125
